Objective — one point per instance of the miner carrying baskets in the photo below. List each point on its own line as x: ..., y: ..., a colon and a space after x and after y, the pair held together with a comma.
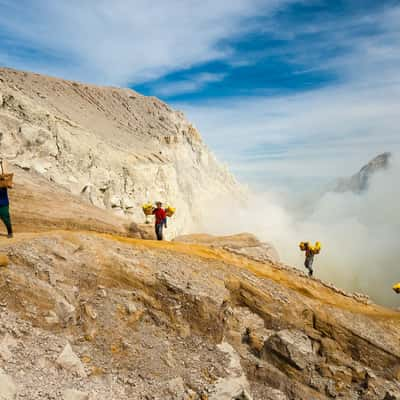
x: 6, y: 182
x: 160, y: 216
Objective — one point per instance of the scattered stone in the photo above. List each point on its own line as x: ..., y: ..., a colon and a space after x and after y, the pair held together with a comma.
x: 235, y: 385
x: 52, y: 318
x: 131, y: 308
x: 72, y: 394
x: 5, y: 345
x: 71, y: 362
x: 176, y: 388
x: 8, y: 390
x: 65, y: 311
x: 293, y: 345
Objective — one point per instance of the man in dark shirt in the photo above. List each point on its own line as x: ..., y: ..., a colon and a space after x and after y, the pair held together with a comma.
x: 5, y: 211
x: 308, y: 263
x: 160, y: 220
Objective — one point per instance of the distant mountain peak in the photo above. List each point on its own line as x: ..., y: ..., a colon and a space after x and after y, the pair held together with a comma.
x: 359, y: 182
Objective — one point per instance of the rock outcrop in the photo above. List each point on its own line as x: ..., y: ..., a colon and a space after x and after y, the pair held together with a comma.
x: 114, y: 147
x: 244, y: 244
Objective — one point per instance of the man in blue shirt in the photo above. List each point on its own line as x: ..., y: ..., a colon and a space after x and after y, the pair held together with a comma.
x: 5, y: 211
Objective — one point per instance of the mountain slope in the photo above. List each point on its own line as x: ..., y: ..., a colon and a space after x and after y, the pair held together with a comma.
x: 115, y: 147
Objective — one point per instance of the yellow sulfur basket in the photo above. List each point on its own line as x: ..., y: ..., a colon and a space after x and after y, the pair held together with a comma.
x: 314, y: 249
x: 396, y: 287
x: 302, y: 245
x: 170, y: 211
x: 147, y: 209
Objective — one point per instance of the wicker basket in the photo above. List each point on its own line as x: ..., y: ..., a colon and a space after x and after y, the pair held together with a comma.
x: 6, y: 180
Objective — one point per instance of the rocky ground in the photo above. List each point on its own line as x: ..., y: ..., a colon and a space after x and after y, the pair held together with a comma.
x: 95, y: 315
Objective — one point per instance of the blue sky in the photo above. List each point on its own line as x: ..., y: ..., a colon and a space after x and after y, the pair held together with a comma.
x: 288, y: 93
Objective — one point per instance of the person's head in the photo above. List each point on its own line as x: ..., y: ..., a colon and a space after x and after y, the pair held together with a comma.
x: 159, y: 204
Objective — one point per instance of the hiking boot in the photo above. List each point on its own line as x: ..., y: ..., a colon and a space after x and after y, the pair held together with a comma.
x: 10, y: 235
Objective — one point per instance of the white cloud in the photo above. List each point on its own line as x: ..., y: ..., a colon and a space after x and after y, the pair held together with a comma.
x: 315, y: 136
x: 359, y: 233
x: 188, y: 85
x: 126, y: 40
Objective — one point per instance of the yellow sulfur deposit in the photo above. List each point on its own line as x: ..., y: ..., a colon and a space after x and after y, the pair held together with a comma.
x: 4, y: 260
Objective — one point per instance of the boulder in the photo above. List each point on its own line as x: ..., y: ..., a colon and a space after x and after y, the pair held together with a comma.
x: 5, y: 345
x: 293, y: 346
x: 71, y: 394
x: 235, y: 385
x: 176, y: 388
x: 8, y: 390
x: 71, y: 362
x: 65, y: 311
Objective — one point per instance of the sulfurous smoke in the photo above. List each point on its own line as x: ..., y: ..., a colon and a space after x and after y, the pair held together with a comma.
x: 359, y: 232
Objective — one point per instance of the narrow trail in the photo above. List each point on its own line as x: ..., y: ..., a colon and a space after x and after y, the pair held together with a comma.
x: 311, y: 288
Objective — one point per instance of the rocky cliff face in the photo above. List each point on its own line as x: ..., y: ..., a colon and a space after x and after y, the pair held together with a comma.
x: 114, y: 147
x: 359, y: 182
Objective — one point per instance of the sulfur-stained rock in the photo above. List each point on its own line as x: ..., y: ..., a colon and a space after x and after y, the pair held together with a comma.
x: 4, y: 261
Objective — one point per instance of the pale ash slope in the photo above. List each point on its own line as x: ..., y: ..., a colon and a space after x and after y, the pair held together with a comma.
x: 113, y: 146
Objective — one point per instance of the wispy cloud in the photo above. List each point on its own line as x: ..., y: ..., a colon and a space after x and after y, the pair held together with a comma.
x: 123, y: 41
x: 314, y: 136
x: 188, y: 85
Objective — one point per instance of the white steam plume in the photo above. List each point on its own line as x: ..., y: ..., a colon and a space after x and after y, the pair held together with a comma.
x: 360, y: 233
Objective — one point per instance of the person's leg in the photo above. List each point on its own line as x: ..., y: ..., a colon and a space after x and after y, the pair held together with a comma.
x: 308, y: 264
x: 5, y: 217
x: 159, y: 232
